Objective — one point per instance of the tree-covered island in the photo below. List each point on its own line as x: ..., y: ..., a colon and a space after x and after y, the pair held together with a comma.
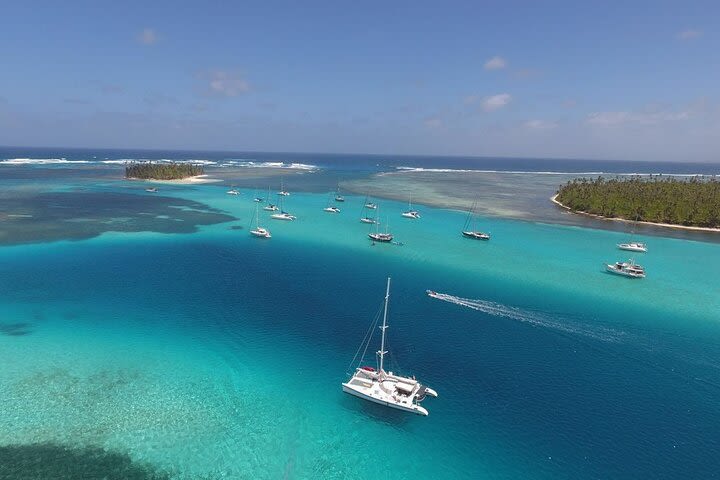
x: 162, y: 171
x: 694, y: 202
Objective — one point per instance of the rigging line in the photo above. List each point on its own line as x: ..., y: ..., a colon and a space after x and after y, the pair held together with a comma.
x: 366, y: 340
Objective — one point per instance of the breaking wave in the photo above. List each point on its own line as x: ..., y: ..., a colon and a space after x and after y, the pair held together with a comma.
x: 538, y: 319
x: 531, y: 172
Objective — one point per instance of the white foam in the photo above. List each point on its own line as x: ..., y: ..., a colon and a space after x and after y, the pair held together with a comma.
x: 539, y: 319
x: 529, y: 172
x: 38, y: 161
x: 255, y: 164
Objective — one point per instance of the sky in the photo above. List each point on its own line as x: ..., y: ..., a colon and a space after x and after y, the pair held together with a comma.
x: 627, y: 80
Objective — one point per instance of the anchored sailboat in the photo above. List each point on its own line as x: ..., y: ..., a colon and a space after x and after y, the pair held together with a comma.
x: 378, y: 236
x: 270, y: 207
x: 411, y: 213
x: 331, y: 207
x: 282, y: 215
x: 338, y: 197
x: 259, y: 231
x: 473, y: 232
x: 632, y: 245
x: 385, y: 388
x: 282, y: 191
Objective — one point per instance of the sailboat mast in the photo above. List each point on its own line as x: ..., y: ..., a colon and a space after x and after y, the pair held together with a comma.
x: 382, y: 351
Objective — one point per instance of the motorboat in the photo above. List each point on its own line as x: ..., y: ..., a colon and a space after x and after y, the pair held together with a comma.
x: 626, y: 269
x: 633, y: 247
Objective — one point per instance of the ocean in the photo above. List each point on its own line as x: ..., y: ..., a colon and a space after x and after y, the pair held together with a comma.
x: 152, y: 328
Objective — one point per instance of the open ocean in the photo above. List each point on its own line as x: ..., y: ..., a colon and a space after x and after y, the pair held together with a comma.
x: 196, y: 351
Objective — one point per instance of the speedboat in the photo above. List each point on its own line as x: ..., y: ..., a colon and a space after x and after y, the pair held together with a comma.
x: 476, y: 235
x: 414, y: 214
x: 633, y: 246
x: 626, y: 269
x: 381, y: 237
x: 261, y: 232
x: 151, y: 189
x: 283, y: 216
x: 386, y: 388
x: 331, y: 209
x: 368, y: 220
x: 271, y: 208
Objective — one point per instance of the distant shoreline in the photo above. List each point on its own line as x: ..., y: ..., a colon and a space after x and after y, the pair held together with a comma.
x: 197, y: 179
x: 655, y: 224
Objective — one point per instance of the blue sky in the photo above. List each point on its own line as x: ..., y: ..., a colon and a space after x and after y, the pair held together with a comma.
x: 617, y: 80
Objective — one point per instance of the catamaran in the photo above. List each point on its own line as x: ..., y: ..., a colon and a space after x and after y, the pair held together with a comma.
x: 410, y: 213
x: 626, y: 269
x: 282, y: 215
x: 283, y: 192
x: 473, y: 232
x: 330, y: 208
x: 386, y: 388
x: 259, y: 231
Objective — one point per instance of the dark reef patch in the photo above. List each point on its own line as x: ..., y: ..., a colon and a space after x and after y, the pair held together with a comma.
x: 45, y: 217
x: 15, y: 329
x: 49, y: 461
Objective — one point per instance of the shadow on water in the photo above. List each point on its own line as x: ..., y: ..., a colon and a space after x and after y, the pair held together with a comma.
x: 389, y: 416
x: 15, y: 329
x: 50, y: 461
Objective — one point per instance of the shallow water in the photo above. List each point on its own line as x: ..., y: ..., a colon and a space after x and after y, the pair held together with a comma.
x: 216, y: 354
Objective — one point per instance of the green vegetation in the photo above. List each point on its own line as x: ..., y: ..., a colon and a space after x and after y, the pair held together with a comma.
x: 693, y: 202
x: 162, y: 171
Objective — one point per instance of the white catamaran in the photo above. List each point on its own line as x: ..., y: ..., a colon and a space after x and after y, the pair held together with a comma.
x: 385, y: 388
x: 411, y: 213
x: 259, y: 231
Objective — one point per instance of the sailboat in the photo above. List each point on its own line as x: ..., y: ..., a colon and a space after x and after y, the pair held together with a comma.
x: 331, y: 208
x: 338, y: 197
x: 270, y: 207
x: 473, y: 232
x: 410, y: 213
x: 633, y: 246
x: 282, y: 215
x: 378, y: 236
x: 258, y: 199
x: 283, y: 192
x: 259, y: 231
x: 386, y: 388
x: 365, y: 218
x: 233, y: 191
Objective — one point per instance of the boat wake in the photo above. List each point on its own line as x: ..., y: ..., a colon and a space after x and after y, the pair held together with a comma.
x: 535, y: 318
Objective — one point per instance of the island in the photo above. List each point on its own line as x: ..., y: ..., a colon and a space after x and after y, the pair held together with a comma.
x: 692, y: 203
x: 162, y: 171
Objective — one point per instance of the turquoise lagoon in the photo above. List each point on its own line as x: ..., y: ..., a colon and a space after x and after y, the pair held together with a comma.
x: 217, y: 355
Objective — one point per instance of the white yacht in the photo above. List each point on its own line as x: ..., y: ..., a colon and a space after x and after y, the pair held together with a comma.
x: 386, y: 388
x: 338, y: 197
x: 259, y: 231
x: 371, y: 206
x: 411, y: 213
x: 633, y: 247
x: 469, y: 229
x: 282, y: 214
x: 151, y: 189
x: 626, y: 269
x: 331, y: 209
x: 369, y: 220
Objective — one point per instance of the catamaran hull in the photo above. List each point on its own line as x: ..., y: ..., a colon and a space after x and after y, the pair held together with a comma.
x: 417, y: 409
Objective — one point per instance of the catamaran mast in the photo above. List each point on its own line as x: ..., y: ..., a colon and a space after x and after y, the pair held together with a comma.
x: 382, y: 351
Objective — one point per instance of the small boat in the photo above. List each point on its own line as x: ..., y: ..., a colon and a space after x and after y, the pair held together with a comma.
x: 371, y: 206
x: 338, y: 197
x: 410, y: 213
x: 633, y: 247
x: 233, y: 191
x: 151, y: 189
x: 283, y: 192
x: 271, y: 207
x: 258, y: 199
x: 259, y: 231
x: 386, y: 388
x: 469, y: 230
x: 626, y: 269
x: 365, y: 218
x: 331, y: 209
x: 368, y: 220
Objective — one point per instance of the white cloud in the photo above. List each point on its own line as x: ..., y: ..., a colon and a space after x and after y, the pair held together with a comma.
x: 432, y: 122
x: 226, y: 83
x: 689, y: 34
x: 147, y: 36
x: 496, y: 102
x: 609, y: 119
x: 540, y: 124
x: 495, y: 63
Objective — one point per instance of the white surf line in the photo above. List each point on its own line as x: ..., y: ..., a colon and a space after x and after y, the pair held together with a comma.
x: 538, y: 319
